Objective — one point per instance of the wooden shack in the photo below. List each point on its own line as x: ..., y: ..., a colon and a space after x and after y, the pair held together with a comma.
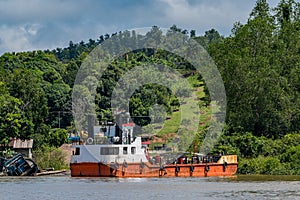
x: 22, y: 146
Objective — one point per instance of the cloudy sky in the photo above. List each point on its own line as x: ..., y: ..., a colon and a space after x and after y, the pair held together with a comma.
x: 47, y: 24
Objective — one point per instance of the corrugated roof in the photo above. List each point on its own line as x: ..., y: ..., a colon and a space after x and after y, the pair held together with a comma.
x: 21, y: 144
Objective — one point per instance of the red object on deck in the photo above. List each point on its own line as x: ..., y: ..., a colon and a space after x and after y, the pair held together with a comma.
x: 128, y: 124
x: 146, y: 142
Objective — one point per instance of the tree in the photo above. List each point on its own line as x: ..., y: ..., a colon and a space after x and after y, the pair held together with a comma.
x: 259, y: 94
x: 210, y: 36
x: 59, y: 103
x: 11, y: 118
x: 192, y: 33
x: 26, y: 85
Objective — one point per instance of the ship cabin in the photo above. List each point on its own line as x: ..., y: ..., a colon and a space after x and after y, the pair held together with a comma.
x: 118, y: 148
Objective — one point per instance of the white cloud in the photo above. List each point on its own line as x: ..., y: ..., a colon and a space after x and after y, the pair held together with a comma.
x: 207, y: 14
x: 40, y: 24
x: 16, y: 38
x: 31, y: 29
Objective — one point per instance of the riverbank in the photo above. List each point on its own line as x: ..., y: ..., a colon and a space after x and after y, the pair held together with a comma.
x: 259, y: 177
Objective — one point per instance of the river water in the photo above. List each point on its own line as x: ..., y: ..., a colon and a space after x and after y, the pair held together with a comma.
x: 65, y: 187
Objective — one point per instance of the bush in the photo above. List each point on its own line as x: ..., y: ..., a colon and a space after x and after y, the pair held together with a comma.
x: 50, y: 157
x: 259, y: 155
x: 291, y: 157
x: 57, y: 137
x: 262, y: 165
x: 273, y: 147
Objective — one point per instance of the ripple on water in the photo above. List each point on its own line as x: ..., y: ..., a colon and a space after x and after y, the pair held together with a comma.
x: 65, y: 187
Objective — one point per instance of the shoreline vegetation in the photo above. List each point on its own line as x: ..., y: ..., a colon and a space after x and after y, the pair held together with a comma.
x: 262, y: 177
x: 51, y: 157
x: 259, y: 64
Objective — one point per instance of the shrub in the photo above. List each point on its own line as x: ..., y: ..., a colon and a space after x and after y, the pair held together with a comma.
x: 262, y: 165
x: 50, y: 157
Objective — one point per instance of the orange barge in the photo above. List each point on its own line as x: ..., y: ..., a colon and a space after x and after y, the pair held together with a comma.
x: 90, y: 169
x: 120, y: 154
x: 131, y: 160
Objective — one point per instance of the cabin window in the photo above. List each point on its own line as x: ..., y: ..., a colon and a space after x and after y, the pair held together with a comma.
x: 77, y: 151
x: 133, y: 149
x: 109, y: 151
x: 125, y: 149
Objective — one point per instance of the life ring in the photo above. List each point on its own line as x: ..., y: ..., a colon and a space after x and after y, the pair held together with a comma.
x: 192, y: 168
x: 90, y: 140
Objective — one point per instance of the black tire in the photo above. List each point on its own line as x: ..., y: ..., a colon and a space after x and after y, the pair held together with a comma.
x: 192, y: 168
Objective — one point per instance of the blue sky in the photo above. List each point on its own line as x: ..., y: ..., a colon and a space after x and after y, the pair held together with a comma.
x: 47, y: 24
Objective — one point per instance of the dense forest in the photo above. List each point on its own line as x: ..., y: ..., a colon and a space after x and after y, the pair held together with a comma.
x: 259, y: 64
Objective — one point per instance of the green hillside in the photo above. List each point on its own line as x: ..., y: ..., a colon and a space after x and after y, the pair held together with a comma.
x: 259, y: 64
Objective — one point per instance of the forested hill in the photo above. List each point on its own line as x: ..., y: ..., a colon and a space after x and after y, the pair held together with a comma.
x: 259, y: 64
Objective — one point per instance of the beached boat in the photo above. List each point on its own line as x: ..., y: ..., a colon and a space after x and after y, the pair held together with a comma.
x: 125, y: 156
x: 18, y: 166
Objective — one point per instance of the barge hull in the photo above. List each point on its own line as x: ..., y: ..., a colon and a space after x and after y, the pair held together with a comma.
x: 91, y: 169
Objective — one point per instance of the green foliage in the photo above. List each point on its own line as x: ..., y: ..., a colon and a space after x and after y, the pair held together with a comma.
x: 260, y: 68
x: 59, y: 102
x: 54, y: 137
x: 259, y: 63
x: 260, y: 155
x: 13, y: 121
x: 26, y: 86
x: 171, y: 125
x: 33, y: 87
x: 262, y: 165
x: 58, y: 137
x: 50, y: 157
x: 210, y: 37
x: 271, y: 165
x: 292, y: 155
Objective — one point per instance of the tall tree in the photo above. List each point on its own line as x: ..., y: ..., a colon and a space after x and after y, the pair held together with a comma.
x: 259, y: 98
x: 26, y: 85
